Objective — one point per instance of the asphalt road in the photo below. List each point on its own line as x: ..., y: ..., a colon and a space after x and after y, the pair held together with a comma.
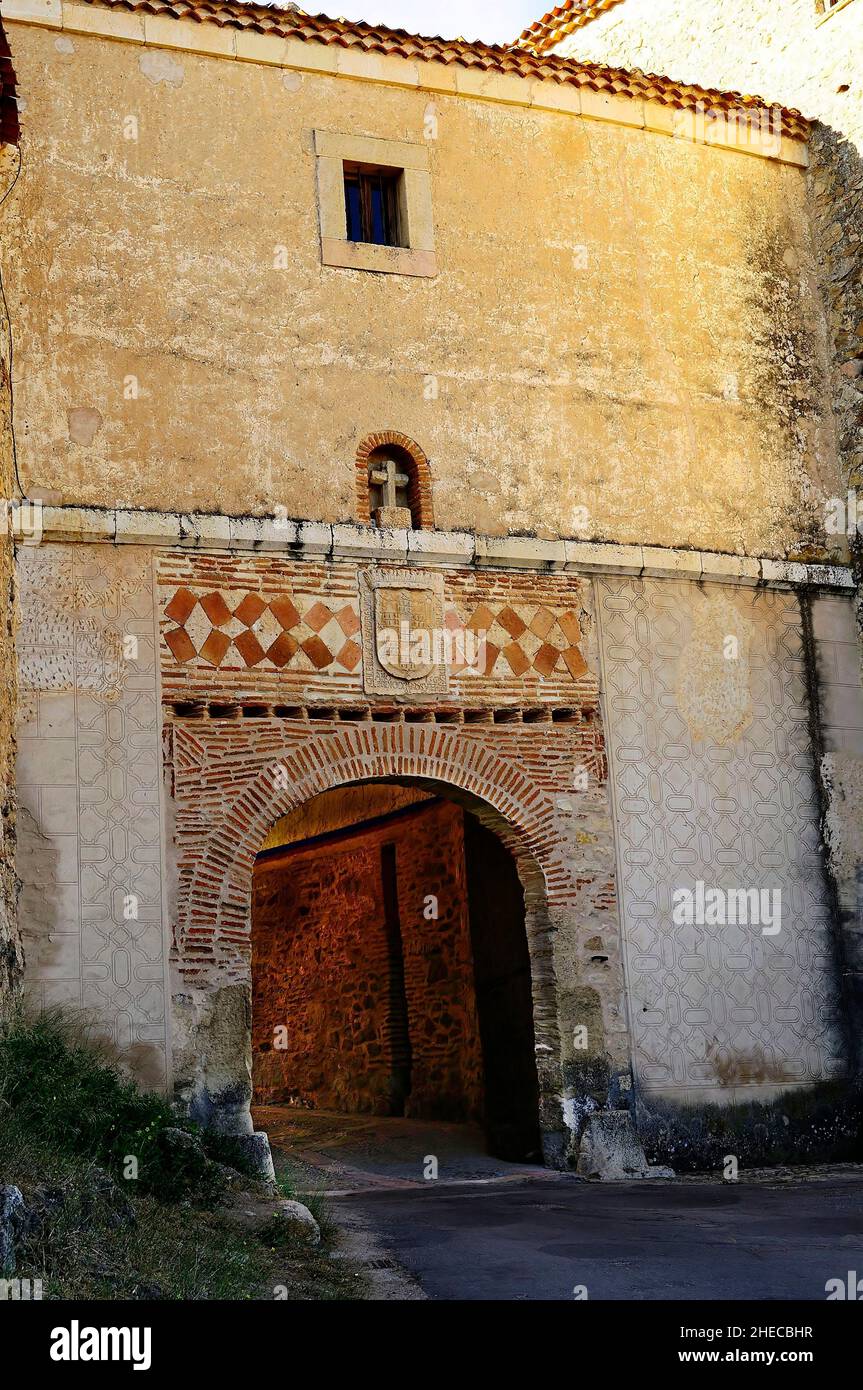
x: 650, y: 1240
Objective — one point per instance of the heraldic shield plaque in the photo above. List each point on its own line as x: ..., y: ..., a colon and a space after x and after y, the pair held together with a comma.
x: 404, y: 641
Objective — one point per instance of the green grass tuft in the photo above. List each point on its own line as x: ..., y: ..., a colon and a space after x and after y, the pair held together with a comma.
x: 68, y: 1122
x: 61, y: 1089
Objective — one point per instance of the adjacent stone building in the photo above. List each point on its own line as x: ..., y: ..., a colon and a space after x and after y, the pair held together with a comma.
x: 369, y: 474
x: 803, y: 53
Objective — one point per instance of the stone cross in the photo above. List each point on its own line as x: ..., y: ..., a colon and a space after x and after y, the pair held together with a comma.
x: 390, y: 479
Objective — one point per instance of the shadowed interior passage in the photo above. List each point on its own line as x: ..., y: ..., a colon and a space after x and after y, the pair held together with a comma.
x: 390, y: 967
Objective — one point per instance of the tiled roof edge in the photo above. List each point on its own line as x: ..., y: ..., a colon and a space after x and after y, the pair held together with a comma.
x: 544, y: 33
x: 254, y: 22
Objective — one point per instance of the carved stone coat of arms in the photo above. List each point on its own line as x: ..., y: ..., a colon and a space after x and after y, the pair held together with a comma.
x: 404, y: 651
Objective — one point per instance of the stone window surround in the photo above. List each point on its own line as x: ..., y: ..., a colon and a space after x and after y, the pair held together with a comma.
x: 319, y: 540
x: 332, y: 150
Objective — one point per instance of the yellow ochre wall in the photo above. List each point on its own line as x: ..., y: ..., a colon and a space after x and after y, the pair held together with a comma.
x: 624, y: 339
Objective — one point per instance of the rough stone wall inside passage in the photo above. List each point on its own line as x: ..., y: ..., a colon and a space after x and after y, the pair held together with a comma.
x: 607, y: 341
x: 323, y: 970
x: 438, y: 967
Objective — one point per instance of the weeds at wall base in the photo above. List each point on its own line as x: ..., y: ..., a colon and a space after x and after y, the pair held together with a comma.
x: 823, y: 1124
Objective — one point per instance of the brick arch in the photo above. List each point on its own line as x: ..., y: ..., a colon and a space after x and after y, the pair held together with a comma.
x: 419, y: 488
x: 214, y: 927
x: 214, y: 936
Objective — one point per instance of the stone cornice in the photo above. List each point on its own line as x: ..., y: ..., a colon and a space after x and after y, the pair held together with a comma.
x: 315, y: 540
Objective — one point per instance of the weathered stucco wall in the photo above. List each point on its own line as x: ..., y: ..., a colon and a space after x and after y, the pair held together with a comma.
x: 786, y: 52
x: 621, y: 322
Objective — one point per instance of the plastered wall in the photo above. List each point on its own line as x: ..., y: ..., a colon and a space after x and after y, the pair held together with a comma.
x: 91, y: 830
x: 784, y: 51
x: 638, y: 353
x: 10, y: 943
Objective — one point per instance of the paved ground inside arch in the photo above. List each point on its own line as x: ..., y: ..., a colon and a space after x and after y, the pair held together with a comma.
x: 486, y: 1230
x: 342, y: 1154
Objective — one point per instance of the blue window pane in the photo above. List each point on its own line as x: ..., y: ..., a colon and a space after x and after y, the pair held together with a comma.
x: 352, y: 210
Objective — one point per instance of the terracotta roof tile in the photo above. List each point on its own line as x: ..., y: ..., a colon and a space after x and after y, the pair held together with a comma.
x: 319, y: 29
x: 554, y: 26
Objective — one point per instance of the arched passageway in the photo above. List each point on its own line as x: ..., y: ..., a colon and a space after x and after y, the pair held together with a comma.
x: 391, y: 968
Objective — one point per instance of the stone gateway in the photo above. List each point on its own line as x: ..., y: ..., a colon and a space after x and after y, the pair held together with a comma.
x: 438, y: 688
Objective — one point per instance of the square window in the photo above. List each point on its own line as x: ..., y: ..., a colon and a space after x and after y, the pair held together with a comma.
x: 374, y: 204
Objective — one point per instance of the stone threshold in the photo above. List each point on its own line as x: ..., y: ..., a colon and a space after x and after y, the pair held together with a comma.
x: 316, y: 540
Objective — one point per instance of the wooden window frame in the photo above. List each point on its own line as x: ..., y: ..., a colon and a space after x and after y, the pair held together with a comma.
x: 364, y: 176
x: 824, y: 9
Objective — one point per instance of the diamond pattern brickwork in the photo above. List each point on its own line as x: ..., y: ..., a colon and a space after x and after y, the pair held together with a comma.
x: 247, y: 629
x: 292, y: 631
x: 523, y: 637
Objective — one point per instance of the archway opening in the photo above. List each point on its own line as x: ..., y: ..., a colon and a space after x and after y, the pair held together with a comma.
x: 391, y: 970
